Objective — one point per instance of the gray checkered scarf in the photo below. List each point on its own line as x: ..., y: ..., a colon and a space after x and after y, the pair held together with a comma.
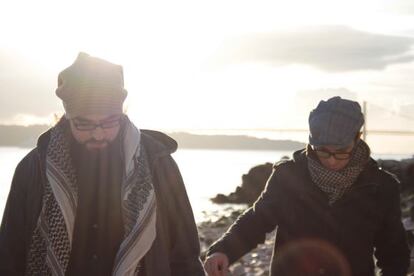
x: 50, y: 247
x: 336, y: 183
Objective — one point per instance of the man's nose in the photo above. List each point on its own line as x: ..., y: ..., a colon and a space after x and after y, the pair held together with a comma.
x: 98, y: 134
x: 331, y: 160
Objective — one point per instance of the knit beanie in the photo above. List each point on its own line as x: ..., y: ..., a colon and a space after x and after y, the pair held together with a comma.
x: 91, y: 86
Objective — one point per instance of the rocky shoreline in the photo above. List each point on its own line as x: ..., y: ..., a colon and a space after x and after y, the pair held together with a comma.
x: 256, y: 262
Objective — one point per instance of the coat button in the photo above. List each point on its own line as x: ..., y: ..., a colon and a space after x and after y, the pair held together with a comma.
x: 94, y: 257
x: 95, y: 226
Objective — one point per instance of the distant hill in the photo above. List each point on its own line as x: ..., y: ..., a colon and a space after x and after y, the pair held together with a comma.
x: 186, y: 140
x: 21, y: 136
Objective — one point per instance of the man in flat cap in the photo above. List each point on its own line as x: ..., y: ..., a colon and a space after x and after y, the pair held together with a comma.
x: 334, y: 209
x: 98, y: 196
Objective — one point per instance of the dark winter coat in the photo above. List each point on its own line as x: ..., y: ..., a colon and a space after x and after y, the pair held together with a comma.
x: 175, y: 250
x: 312, y: 234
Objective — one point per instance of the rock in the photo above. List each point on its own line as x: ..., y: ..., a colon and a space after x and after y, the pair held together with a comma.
x: 237, y: 270
x: 252, y: 185
x: 220, y: 198
x: 255, y: 262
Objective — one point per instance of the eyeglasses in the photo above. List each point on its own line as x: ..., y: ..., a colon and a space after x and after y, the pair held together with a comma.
x: 88, y: 126
x: 337, y: 155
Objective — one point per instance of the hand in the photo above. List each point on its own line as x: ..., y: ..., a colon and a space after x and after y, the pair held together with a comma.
x: 217, y: 264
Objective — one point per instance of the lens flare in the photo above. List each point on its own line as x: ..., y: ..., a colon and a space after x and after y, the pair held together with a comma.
x: 310, y: 257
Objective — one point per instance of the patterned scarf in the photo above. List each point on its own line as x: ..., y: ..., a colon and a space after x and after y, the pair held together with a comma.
x: 336, y: 183
x: 50, y: 248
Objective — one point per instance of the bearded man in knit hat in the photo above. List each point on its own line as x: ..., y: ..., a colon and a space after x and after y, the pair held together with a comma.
x: 334, y: 209
x: 98, y: 196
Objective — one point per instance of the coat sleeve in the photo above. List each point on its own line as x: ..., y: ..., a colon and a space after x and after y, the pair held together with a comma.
x: 185, y: 247
x: 14, y: 226
x: 251, y: 227
x: 391, y: 248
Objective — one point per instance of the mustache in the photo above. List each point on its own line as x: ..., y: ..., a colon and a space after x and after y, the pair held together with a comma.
x: 93, y: 141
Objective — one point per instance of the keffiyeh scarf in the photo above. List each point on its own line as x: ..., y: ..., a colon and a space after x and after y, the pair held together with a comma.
x: 50, y: 247
x: 335, y: 183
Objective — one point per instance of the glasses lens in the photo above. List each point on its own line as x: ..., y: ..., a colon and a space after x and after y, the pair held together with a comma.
x: 110, y: 124
x: 342, y: 155
x: 322, y: 154
x: 84, y: 126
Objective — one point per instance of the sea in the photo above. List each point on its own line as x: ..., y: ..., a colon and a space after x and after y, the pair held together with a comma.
x: 205, y: 172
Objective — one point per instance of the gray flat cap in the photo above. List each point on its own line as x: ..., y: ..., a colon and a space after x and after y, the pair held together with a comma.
x: 335, y: 122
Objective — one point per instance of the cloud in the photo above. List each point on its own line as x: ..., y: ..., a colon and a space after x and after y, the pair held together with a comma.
x: 25, y: 88
x: 379, y: 116
x: 403, y: 7
x: 306, y: 100
x: 329, y: 48
x: 407, y: 112
x: 313, y: 96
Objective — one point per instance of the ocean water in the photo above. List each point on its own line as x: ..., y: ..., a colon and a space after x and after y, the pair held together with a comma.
x: 205, y: 173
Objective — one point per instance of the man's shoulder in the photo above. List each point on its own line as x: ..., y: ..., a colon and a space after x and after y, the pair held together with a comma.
x: 158, y: 142
x: 27, y: 172
x: 288, y: 172
x: 298, y: 161
x: 388, y: 180
x: 30, y: 159
x: 29, y: 162
x: 283, y: 164
x: 383, y: 178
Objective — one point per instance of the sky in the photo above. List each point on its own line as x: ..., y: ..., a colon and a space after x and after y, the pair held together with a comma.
x: 242, y: 67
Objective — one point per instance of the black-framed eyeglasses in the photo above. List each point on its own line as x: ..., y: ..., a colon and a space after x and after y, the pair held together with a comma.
x: 89, y: 126
x: 337, y: 155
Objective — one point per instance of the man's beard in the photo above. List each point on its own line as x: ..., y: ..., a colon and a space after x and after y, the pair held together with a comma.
x: 94, y: 145
x: 93, y: 159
